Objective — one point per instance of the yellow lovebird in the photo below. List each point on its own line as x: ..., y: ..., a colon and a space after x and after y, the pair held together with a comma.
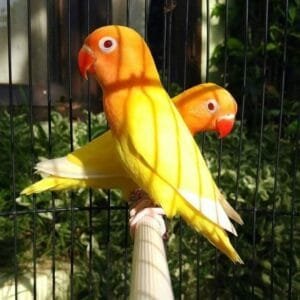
x: 204, y: 107
x: 151, y: 140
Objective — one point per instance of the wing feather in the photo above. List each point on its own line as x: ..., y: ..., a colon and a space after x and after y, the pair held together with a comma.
x: 97, y: 159
x: 162, y: 149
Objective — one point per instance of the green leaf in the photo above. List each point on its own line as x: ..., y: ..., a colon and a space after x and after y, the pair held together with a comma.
x: 266, y: 279
x: 235, y: 44
x: 272, y: 46
x: 218, y: 10
x: 292, y: 13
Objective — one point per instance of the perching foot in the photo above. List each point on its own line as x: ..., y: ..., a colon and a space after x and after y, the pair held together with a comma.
x: 141, y: 206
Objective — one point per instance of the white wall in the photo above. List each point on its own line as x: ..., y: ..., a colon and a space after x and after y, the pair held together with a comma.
x: 19, y: 41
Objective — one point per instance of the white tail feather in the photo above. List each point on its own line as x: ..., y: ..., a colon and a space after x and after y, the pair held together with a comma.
x: 211, y: 209
x: 62, y: 167
x: 230, y: 211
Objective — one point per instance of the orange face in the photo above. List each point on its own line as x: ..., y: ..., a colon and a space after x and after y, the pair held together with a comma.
x: 207, y: 107
x: 114, y: 60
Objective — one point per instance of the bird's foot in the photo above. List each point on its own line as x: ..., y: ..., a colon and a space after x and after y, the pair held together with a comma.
x: 142, y: 206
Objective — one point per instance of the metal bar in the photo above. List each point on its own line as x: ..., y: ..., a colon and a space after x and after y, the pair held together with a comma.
x: 199, y: 241
x: 207, y: 76
x: 89, y: 133
x: 282, y: 91
x: 186, y: 34
x: 88, y: 82
x: 207, y: 39
x: 265, y: 42
x: 185, y: 70
x: 293, y: 212
x: 108, y: 204
x: 226, y: 35
x: 108, y: 247
x: 108, y: 12
x: 166, y: 79
x: 225, y: 83
x: 30, y: 95
x: 169, y: 15
x: 242, y: 109
x: 12, y: 147
x: 69, y: 37
x: 50, y: 41
x: 127, y: 12
x: 167, y: 44
x: 146, y: 19
x: 72, y: 221
x: 164, y: 51
x: 60, y: 209
x: 126, y: 267
x: 260, y: 211
x: 91, y: 231
x: 259, y: 146
x: 202, y: 143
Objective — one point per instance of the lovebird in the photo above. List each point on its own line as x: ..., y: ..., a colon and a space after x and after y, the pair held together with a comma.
x: 204, y: 107
x: 151, y: 139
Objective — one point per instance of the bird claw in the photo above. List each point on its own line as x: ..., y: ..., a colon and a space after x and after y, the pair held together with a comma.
x: 142, y: 207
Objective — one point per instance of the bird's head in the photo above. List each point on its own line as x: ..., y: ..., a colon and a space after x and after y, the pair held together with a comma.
x: 116, y: 55
x: 208, y: 107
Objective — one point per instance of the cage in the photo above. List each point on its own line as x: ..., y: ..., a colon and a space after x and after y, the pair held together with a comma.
x: 75, y: 244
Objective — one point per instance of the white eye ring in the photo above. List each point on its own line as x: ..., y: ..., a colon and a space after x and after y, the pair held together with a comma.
x: 107, y: 44
x: 212, y: 105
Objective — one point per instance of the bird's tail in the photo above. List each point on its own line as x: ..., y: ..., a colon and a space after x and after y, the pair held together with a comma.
x: 55, y: 183
x: 52, y: 183
x: 214, y: 233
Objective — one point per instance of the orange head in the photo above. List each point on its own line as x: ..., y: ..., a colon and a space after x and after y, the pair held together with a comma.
x: 207, y: 107
x: 116, y: 55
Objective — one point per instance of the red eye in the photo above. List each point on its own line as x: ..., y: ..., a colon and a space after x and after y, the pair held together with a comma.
x: 212, y: 105
x: 107, y: 44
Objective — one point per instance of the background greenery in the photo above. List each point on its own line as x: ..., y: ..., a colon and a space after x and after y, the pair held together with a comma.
x: 256, y: 166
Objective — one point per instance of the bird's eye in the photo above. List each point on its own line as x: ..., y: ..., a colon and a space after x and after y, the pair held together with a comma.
x: 107, y: 44
x: 212, y: 105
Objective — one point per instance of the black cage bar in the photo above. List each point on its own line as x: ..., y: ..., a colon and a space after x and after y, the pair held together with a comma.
x: 75, y: 244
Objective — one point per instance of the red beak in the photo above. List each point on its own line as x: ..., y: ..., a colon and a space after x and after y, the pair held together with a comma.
x: 224, y: 125
x: 86, y: 60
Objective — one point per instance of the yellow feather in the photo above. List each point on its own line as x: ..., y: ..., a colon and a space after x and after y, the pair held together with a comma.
x: 152, y: 141
x: 95, y: 165
x: 53, y: 183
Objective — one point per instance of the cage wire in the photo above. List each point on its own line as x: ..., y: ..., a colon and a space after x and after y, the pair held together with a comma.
x: 76, y: 244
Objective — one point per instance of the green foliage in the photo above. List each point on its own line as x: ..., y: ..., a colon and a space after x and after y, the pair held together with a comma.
x: 255, y: 46
x: 49, y: 215
x: 273, y: 187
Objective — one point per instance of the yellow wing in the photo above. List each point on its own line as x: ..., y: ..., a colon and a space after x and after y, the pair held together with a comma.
x: 160, y: 154
x: 95, y: 160
x: 95, y: 165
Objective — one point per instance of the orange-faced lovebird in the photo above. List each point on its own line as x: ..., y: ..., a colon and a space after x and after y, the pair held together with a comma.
x: 150, y: 138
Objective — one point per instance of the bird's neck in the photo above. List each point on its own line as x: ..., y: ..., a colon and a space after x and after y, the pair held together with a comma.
x: 115, y: 109
x: 117, y: 101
